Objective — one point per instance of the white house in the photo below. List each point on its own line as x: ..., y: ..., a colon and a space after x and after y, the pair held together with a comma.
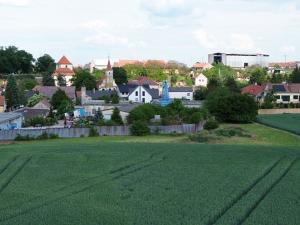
x: 201, y: 81
x: 65, y: 69
x: 142, y: 94
x: 9, y: 121
x: 181, y: 93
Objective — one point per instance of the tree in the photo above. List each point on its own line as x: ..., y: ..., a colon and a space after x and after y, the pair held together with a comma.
x: 84, y: 78
x: 66, y: 106
x: 116, y: 117
x: 48, y: 79
x: 120, y: 75
x: 219, y: 72
x: 269, y: 101
x: 277, y: 78
x: 295, y: 76
x: 27, y: 83
x: 58, y: 97
x: 35, y: 99
x: 45, y: 64
x: 12, y: 93
x: 257, y: 75
x: 231, y: 84
x: 200, y: 94
x: 231, y: 107
x: 139, y: 128
x: 98, y: 119
x: 13, y: 60
x: 115, y: 99
x: 213, y: 84
x: 61, y: 81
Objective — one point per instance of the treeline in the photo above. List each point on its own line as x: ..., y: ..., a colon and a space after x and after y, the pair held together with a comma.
x: 15, y: 61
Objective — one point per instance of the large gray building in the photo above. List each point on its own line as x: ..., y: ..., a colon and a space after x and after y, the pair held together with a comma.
x: 239, y: 61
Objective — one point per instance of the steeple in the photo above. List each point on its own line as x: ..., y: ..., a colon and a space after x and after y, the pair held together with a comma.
x: 108, y: 65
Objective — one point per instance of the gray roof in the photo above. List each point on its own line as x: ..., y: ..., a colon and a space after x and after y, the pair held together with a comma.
x: 180, y: 89
x: 4, y: 117
x: 49, y: 91
x: 29, y: 113
x: 95, y: 95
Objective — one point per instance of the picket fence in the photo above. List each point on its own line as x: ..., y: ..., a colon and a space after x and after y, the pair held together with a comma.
x: 9, y: 135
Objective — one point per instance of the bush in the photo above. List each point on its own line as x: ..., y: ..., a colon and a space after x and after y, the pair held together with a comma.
x: 40, y: 121
x: 93, y: 132
x: 139, y: 128
x: 211, y: 124
x: 232, y: 132
x: 231, y: 107
x: 43, y: 136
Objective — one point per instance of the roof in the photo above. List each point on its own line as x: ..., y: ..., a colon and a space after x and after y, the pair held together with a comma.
x: 95, y: 95
x: 49, y: 91
x: 63, y: 72
x: 153, y: 92
x: 124, y: 62
x: 2, y: 100
x: 64, y: 61
x: 108, y: 66
x: 29, y: 113
x: 199, y: 65
x: 180, y: 89
x: 285, y: 64
x: 4, y: 117
x: 44, y: 104
x: 253, y: 89
x: 293, y: 88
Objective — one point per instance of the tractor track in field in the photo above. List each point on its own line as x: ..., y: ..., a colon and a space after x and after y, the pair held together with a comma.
x: 242, y: 194
x: 12, y: 177
x: 8, y: 164
x: 61, y: 196
x: 265, y: 194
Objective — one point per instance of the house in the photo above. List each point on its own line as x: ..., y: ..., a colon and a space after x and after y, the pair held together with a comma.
x: 181, y: 93
x: 201, y: 81
x: 279, y: 67
x: 107, y: 113
x: 92, y: 97
x: 29, y: 113
x: 44, y: 104
x: 10, y: 121
x: 49, y: 91
x: 285, y: 93
x: 201, y: 66
x: 65, y: 69
x: 142, y: 80
x: 143, y: 94
x: 108, y: 83
x: 2, y: 104
x: 256, y: 91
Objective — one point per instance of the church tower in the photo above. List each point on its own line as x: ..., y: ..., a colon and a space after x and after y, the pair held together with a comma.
x: 108, y: 82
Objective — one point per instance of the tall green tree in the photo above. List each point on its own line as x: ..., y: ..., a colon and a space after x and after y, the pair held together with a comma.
x: 257, y: 75
x: 48, y: 79
x: 231, y: 84
x: 83, y: 78
x: 120, y: 75
x: 58, y: 98
x: 219, y: 72
x: 45, y: 64
x: 13, y: 60
x: 295, y: 76
x: 116, y: 117
x: 12, y: 93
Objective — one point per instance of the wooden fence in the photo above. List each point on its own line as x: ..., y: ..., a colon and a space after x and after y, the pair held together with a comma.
x: 9, y: 135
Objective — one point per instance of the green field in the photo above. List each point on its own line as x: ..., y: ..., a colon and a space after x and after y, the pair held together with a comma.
x: 125, y: 181
x: 287, y: 122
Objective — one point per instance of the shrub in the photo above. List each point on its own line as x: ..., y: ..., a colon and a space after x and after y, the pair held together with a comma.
x: 231, y: 107
x: 41, y: 121
x: 232, y: 132
x: 139, y: 128
x: 93, y: 132
x: 211, y: 124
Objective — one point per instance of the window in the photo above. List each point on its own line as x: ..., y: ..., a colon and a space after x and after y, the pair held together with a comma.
x: 278, y: 97
x: 188, y: 94
x: 296, y: 97
x: 136, y: 93
x: 286, y: 98
x: 144, y: 100
x: 144, y: 93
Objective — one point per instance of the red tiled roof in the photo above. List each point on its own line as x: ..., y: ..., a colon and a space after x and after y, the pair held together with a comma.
x: 2, y: 100
x: 63, y: 72
x: 123, y: 63
x: 64, y: 61
x: 201, y: 65
x: 284, y: 64
x: 253, y: 90
x: 293, y: 88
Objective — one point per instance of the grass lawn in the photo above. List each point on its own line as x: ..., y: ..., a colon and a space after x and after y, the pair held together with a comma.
x: 100, y: 181
x: 287, y: 122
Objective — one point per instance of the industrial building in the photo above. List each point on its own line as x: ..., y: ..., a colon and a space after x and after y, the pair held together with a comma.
x: 239, y: 61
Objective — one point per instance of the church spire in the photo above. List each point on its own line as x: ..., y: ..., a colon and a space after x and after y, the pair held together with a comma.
x: 108, y: 65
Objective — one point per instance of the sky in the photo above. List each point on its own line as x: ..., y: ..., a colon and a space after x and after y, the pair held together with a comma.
x: 182, y: 30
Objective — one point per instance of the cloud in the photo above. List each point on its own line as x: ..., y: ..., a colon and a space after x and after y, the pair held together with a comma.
x: 167, y: 8
x: 95, y: 25
x: 206, y: 39
x: 15, y: 2
x: 288, y: 49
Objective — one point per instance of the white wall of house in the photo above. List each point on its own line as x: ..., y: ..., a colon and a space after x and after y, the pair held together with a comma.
x: 67, y: 78
x: 7, y: 124
x: 70, y: 66
x: 287, y: 97
x: 140, y: 95
x: 108, y: 113
x: 181, y: 95
x: 201, y: 81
